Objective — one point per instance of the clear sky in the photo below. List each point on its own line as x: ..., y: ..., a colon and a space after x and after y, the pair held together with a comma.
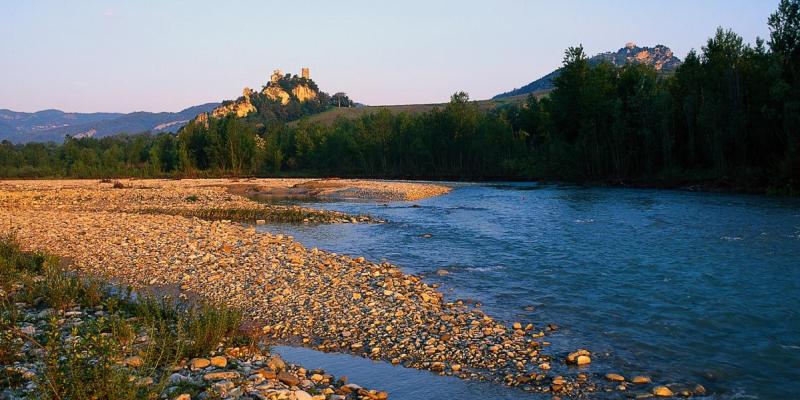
x: 167, y: 55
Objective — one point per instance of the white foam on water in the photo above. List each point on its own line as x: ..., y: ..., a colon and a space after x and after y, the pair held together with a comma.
x: 731, y: 238
x: 584, y: 221
x: 486, y: 269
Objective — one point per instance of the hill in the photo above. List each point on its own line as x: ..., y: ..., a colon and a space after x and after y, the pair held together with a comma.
x: 54, y: 125
x: 331, y: 115
x: 660, y: 57
x: 284, y: 98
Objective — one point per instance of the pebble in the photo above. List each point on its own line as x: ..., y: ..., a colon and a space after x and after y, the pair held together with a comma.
x: 199, y: 363
x: 216, y: 376
x: 662, y: 391
x: 615, y: 377
x: 219, y: 361
x: 288, y: 378
x: 133, y: 362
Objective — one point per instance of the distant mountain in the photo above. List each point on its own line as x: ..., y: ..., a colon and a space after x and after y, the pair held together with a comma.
x: 660, y: 57
x: 54, y: 125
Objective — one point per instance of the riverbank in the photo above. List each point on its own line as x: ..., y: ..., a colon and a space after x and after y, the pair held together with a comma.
x: 67, y: 337
x: 292, y: 294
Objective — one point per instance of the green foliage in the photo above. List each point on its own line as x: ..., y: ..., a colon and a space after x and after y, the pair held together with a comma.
x: 82, y: 361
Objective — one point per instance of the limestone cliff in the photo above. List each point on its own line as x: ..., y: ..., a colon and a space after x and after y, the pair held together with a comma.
x: 660, y: 57
x: 276, y: 93
x: 241, y: 107
x: 304, y: 93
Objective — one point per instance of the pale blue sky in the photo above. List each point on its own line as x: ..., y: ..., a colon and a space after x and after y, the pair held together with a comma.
x: 167, y: 55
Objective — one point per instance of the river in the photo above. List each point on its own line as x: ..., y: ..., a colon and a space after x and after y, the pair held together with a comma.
x: 680, y: 286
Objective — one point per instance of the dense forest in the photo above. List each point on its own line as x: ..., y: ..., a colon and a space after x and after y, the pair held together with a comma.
x: 729, y: 116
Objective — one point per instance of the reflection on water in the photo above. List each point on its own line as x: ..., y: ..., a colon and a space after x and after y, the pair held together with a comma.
x: 401, y: 383
x: 681, y: 286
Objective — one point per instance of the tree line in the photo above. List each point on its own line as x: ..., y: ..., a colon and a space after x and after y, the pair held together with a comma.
x: 728, y: 116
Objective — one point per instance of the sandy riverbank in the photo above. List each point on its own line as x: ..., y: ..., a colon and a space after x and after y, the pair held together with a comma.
x: 293, y: 294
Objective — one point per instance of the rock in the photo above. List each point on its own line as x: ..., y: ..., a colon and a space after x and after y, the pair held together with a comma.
x: 265, y: 373
x: 615, y: 377
x: 517, y: 326
x: 275, y: 363
x: 301, y: 395
x: 177, y: 378
x: 579, y: 357
x: 218, y: 376
x: 641, y: 380
x: 199, y: 363
x: 134, y: 362
x: 662, y: 391
x: 219, y: 361
x: 183, y: 396
x: 456, y: 367
x: 317, y: 378
x: 699, y: 390
x: 442, y: 272
x: 288, y: 378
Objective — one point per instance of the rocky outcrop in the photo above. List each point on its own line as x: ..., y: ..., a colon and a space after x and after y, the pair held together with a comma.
x: 304, y: 93
x: 281, y: 89
x: 276, y: 93
x: 241, y: 107
x: 660, y: 57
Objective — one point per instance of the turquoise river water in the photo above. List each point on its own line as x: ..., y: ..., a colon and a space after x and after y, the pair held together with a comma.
x: 680, y: 286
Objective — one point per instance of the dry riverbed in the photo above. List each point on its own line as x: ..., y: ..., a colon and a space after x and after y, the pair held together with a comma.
x: 145, y: 234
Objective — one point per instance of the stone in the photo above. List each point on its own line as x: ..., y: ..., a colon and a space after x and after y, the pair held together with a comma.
x: 218, y: 376
x: 199, y: 363
x: 302, y: 395
x: 134, y: 362
x: 219, y: 361
x: 276, y: 364
x: 579, y: 357
x: 641, y: 380
x: 288, y: 378
x: 183, y: 396
x: 699, y: 390
x: 615, y: 377
x: 662, y: 391
x: 177, y: 378
x: 265, y: 373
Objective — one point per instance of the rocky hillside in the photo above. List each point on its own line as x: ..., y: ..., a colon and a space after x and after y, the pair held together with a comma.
x: 660, y: 57
x: 284, y: 97
x: 54, y: 125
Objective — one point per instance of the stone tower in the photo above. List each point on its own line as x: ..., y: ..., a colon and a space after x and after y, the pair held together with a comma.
x: 304, y: 73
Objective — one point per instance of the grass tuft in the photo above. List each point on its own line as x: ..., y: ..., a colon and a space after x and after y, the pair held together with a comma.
x: 83, y: 359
